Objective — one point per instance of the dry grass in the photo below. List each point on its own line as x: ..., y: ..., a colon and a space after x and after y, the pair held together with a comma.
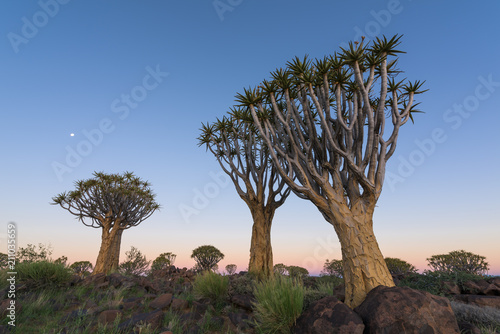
x: 486, y: 318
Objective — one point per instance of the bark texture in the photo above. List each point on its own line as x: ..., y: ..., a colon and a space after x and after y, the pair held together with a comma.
x: 109, y: 252
x: 261, y: 252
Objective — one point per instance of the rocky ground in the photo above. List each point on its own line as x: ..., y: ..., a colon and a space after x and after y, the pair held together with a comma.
x: 164, y: 303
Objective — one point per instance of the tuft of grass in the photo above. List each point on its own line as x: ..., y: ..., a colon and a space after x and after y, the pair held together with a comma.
x: 42, y: 274
x: 279, y: 302
x: 212, y: 286
x: 483, y: 317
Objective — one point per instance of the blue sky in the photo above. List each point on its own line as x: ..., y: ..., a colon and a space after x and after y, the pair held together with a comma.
x: 139, y: 78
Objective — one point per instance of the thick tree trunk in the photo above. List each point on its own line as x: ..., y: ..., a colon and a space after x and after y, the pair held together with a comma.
x: 105, y: 259
x: 261, y: 253
x: 115, y: 251
x: 364, y: 264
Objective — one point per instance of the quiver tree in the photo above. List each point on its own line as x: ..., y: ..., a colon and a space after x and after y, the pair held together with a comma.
x: 242, y: 155
x: 113, y: 203
x: 163, y: 261
x: 207, y: 257
x: 325, y: 124
x: 459, y: 261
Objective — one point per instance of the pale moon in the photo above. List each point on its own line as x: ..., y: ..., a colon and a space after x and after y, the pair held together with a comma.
x: 72, y: 135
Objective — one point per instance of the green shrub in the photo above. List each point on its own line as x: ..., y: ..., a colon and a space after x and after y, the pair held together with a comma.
x: 279, y: 302
x: 42, y: 273
x: 212, y: 286
x: 334, y: 280
x: 297, y: 272
x: 81, y: 268
x: 31, y: 254
x: 333, y: 268
x: 163, y: 261
x: 459, y: 261
x: 280, y: 269
x: 432, y: 281
x: 241, y: 285
x: 135, y: 263
x: 397, y: 266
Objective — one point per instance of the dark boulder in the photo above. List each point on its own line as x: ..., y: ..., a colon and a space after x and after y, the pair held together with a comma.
x: 405, y: 310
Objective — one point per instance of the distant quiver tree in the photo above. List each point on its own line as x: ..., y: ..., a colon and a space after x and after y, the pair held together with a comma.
x: 113, y: 203
x: 242, y: 154
x: 331, y: 125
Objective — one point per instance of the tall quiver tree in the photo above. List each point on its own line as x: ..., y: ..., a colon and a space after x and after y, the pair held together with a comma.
x: 114, y: 203
x: 323, y: 121
x: 241, y: 153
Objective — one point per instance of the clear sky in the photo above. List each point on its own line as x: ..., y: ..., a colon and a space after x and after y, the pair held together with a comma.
x: 134, y: 80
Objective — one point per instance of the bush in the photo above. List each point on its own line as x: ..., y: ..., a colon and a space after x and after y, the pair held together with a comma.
x: 62, y: 260
x: 333, y: 268
x: 4, y: 261
x: 297, y: 272
x: 398, y: 267
x: 231, y: 269
x: 279, y: 302
x: 82, y: 268
x: 322, y: 290
x: 42, y: 273
x: 163, y: 261
x: 31, y: 254
x: 241, y: 285
x: 280, y: 269
x: 207, y: 257
x: 135, y: 264
x: 212, y: 286
x: 459, y: 261
x: 432, y: 281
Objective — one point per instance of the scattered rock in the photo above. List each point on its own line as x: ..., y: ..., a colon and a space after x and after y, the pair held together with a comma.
x: 179, y: 304
x: 468, y: 328
x: 329, y: 315
x: 405, y: 310
x: 152, y: 319
x: 162, y: 301
x: 243, y: 301
x: 241, y: 320
x: 481, y: 287
x: 491, y: 301
x: 94, y: 280
x: 108, y: 316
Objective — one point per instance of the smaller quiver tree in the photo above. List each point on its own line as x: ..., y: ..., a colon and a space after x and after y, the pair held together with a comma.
x: 163, y: 261
x: 459, y: 261
x: 81, y: 268
x: 243, y: 156
x: 207, y: 257
x: 113, y: 203
x: 231, y: 269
